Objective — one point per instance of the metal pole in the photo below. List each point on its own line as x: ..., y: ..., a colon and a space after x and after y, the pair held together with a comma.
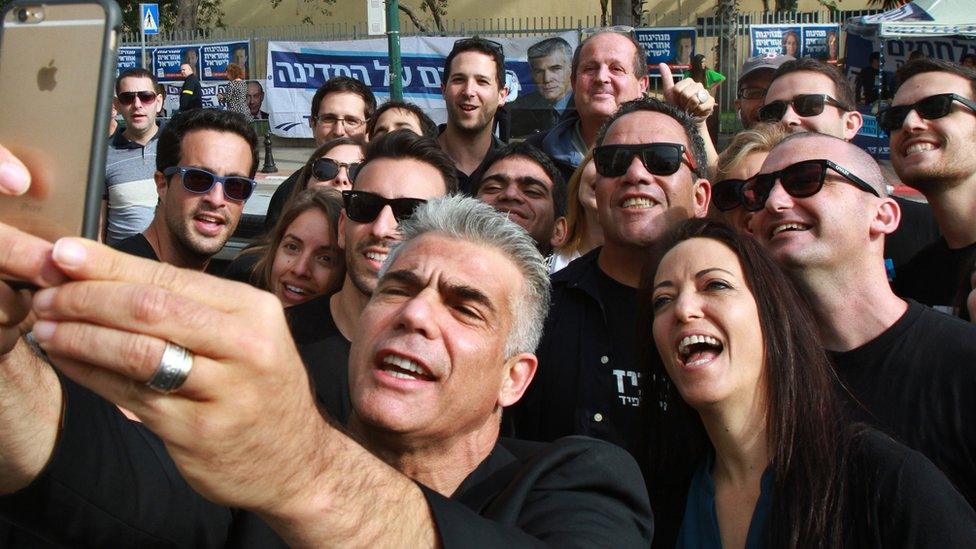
x: 142, y: 31
x: 393, y: 39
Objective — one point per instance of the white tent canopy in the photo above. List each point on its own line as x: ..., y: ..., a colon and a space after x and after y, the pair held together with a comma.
x: 917, y: 19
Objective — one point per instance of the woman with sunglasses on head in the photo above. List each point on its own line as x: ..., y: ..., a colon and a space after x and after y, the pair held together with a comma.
x: 740, y: 161
x: 741, y: 386
x: 583, y: 231
x: 300, y: 259
x: 332, y: 164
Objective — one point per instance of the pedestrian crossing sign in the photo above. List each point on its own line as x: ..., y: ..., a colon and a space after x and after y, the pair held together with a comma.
x: 150, y: 18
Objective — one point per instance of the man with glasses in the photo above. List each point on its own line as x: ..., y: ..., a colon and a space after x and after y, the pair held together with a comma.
x: 473, y: 89
x: 205, y: 164
x: 754, y: 79
x: 932, y: 124
x: 823, y: 212
x: 341, y: 107
x: 400, y: 171
x: 650, y: 162
x: 809, y: 95
x: 130, y: 192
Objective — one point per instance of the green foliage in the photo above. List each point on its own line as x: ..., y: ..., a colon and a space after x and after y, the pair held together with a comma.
x: 209, y: 14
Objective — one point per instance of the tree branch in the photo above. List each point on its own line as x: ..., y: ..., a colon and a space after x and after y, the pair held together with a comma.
x: 413, y: 17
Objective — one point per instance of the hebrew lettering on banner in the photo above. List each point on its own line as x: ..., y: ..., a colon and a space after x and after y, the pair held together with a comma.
x: 297, y: 69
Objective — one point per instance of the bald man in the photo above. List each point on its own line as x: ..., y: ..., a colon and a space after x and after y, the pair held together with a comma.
x: 912, y: 369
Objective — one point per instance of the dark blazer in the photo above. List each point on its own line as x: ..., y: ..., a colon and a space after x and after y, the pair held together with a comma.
x: 111, y: 483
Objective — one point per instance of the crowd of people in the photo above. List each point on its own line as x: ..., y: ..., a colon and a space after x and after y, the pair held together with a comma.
x: 610, y: 333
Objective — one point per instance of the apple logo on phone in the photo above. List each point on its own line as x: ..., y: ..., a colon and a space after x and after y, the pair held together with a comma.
x: 45, y: 77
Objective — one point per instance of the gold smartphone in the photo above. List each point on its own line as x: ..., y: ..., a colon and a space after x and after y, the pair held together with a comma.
x: 57, y: 71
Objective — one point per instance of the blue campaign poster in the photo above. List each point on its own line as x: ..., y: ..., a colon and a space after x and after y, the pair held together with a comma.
x: 129, y: 58
x: 821, y: 42
x: 166, y: 61
x: 782, y: 39
x: 216, y: 57
x: 672, y: 45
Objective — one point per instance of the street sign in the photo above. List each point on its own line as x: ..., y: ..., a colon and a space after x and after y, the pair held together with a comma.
x: 150, y: 18
x: 376, y: 17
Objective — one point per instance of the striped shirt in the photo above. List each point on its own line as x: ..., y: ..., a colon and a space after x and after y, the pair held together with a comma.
x: 130, y: 189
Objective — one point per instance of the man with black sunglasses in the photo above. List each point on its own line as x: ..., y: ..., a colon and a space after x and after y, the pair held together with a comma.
x: 400, y: 171
x: 473, y: 89
x: 650, y: 162
x: 932, y: 125
x: 807, y: 95
x: 130, y: 192
x: 823, y: 214
x: 205, y: 165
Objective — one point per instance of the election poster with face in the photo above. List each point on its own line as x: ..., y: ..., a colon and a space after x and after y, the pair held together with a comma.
x: 209, y: 61
x: 776, y: 39
x: 297, y: 69
x: 672, y: 45
x: 821, y: 42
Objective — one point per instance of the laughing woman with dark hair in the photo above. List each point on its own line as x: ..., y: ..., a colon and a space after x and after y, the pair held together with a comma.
x: 742, y: 387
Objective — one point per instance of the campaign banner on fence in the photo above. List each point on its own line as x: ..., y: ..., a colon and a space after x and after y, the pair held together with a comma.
x: 216, y: 57
x: 171, y: 103
x: 781, y: 39
x: 297, y: 69
x: 129, y: 58
x: 166, y: 61
x: 209, y: 61
x: 821, y: 42
x: 672, y: 45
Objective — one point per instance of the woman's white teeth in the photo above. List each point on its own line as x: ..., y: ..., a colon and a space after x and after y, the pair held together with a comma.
x: 408, y: 366
x: 688, y: 341
x: 637, y: 202
x: 919, y: 147
x: 295, y: 289
x: 788, y: 227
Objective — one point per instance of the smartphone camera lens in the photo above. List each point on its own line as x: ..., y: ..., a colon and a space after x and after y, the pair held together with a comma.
x: 23, y: 15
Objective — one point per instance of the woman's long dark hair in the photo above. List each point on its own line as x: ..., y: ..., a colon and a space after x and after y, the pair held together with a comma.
x: 803, y: 421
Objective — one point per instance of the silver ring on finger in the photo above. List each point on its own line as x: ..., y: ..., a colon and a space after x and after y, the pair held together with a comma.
x: 173, y: 369
x: 702, y: 96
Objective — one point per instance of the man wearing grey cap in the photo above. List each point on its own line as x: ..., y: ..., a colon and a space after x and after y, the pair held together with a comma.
x: 754, y: 78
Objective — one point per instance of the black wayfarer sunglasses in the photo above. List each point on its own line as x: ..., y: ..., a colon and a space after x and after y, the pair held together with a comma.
x: 658, y: 158
x: 364, y: 207
x: 930, y: 108
x: 727, y: 194
x: 799, y: 180
x: 805, y: 105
